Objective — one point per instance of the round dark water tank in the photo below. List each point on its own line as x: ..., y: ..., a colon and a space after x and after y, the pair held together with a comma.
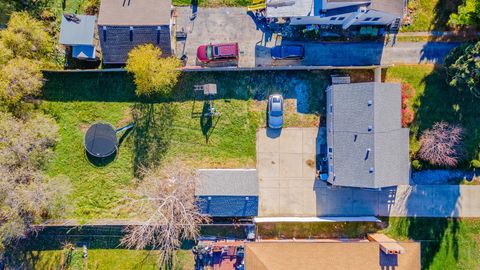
x: 101, y: 140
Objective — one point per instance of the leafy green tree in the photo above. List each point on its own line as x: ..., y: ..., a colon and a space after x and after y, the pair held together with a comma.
x: 153, y: 74
x: 468, y: 14
x: 26, y: 37
x: 463, y: 68
x: 19, y: 78
x: 27, y: 196
x: 5, y: 54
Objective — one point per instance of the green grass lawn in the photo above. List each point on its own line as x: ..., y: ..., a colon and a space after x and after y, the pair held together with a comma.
x: 432, y: 15
x: 105, y: 259
x: 166, y: 129
x: 446, y: 243
x: 435, y: 101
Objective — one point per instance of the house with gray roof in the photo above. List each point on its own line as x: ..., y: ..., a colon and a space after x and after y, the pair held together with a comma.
x: 228, y: 192
x: 123, y: 25
x: 367, y: 147
x: 341, y: 13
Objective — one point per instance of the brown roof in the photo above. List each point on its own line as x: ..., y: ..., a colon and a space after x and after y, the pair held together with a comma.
x: 134, y: 12
x: 328, y: 255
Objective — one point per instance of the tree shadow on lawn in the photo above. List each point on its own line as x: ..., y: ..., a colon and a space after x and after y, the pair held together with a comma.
x: 434, y: 235
x: 440, y: 102
x: 152, y: 133
x: 442, y: 12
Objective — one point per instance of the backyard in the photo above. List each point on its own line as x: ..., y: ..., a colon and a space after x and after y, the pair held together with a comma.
x: 431, y: 15
x: 166, y: 130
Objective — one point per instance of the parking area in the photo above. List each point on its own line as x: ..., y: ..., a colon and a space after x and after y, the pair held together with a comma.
x: 218, y: 25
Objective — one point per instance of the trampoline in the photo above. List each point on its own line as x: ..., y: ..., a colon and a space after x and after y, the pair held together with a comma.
x: 101, y: 140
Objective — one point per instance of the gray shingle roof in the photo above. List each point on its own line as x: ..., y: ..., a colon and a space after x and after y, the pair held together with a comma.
x: 370, y: 149
x: 219, y: 182
x: 81, y: 33
x: 116, y: 41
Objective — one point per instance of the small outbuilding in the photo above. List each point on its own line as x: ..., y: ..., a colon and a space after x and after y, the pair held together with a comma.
x: 77, y: 32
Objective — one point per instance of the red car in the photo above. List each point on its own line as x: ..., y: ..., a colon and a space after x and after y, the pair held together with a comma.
x: 217, y: 52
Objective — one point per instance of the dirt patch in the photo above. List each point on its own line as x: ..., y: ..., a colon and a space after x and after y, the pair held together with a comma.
x: 310, y: 163
x: 127, y: 118
x: 84, y: 127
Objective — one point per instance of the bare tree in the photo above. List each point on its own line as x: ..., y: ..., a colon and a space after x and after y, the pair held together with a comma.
x: 442, y: 145
x: 166, y: 199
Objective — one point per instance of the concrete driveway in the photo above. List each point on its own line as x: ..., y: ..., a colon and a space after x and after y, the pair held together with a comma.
x: 287, y: 186
x: 286, y: 171
x: 218, y: 25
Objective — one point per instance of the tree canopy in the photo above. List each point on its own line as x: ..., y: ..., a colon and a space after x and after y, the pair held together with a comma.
x: 463, y: 68
x: 27, y: 196
x: 468, y: 14
x: 26, y: 37
x: 153, y: 73
x: 19, y: 78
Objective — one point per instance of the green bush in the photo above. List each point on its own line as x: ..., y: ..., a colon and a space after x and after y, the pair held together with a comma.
x: 417, y: 165
x: 475, y: 164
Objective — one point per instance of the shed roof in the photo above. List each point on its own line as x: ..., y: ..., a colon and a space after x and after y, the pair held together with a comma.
x: 135, y: 12
x: 77, y: 33
x: 328, y: 255
x: 227, y: 182
x: 370, y: 149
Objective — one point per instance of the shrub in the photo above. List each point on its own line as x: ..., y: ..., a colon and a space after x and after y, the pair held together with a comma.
x: 475, y: 164
x: 417, y: 165
x: 442, y: 145
x: 407, y: 112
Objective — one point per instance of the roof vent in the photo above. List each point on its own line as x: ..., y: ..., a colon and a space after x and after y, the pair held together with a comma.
x: 370, y: 128
x: 368, y: 153
x: 355, y: 137
x: 370, y: 103
x: 104, y: 29
x: 131, y: 33
x: 247, y: 198
x: 371, y: 170
x: 158, y: 34
x: 209, y: 198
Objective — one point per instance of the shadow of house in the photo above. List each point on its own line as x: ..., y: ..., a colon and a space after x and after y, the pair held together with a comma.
x: 152, y: 133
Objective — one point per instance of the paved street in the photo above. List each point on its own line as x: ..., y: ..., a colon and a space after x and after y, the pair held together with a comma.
x: 217, y: 25
x: 287, y: 186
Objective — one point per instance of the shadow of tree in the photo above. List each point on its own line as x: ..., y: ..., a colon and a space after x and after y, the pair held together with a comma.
x: 442, y: 12
x: 152, y: 133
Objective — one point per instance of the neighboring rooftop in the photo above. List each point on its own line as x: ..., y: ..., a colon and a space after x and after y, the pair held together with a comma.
x: 134, y: 12
x: 77, y: 29
x: 309, y: 255
x: 370, y: 149
x: 228, y: 182
x: 228, y: 193
x: 325, y: 8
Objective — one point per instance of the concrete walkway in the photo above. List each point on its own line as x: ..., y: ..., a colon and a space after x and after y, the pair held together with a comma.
x: 287, y: 186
